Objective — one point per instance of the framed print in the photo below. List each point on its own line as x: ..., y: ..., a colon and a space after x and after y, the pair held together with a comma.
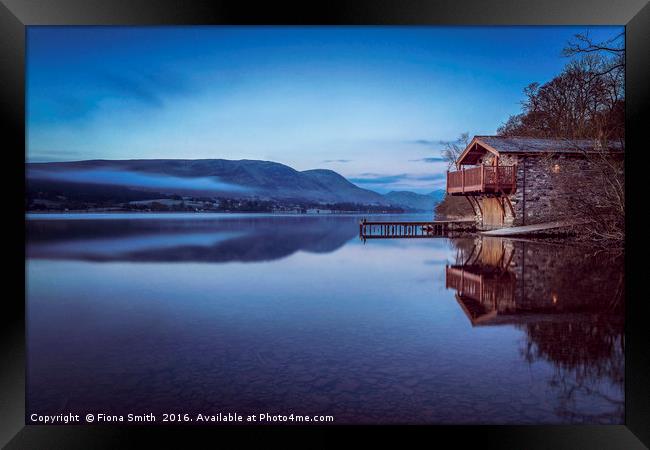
x: 408, y: 218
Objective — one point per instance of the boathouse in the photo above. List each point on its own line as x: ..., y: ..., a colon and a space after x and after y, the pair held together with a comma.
x: 512, y: 181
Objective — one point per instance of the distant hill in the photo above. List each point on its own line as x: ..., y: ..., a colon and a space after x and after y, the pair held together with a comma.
x: 133, y: 180
x: 417, y: 202
x: 238, y: 179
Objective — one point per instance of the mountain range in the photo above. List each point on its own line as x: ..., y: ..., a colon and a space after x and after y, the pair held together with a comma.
x: 241, y: 179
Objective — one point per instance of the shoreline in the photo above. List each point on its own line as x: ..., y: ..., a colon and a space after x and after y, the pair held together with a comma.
x: 270, y: 213
x: 544, y: 236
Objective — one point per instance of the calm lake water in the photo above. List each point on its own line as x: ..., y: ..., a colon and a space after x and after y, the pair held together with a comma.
x: 294, y: 314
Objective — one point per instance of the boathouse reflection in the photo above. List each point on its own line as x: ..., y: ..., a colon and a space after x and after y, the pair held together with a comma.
x: 500, y: 281
x: 484, y: 283
x: 568, y: 301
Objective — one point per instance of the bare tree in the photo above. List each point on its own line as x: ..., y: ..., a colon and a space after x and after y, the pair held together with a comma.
x: 451, y: 206
x: 615, y: 47
x: 578, y: 103
x: 604, y: 214
x: 609, y: 70
x: 452, y: 150
x: 585, y: 101
x: 598, y: 206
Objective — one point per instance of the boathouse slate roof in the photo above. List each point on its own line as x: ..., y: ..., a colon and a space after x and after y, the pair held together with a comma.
x: 521, y: 144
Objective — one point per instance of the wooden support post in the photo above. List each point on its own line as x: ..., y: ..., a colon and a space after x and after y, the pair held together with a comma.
x: 478, y: 205
x: 500, y: 202
x: 496, y: 174
x: 462, y: 176
x: 512, y: 208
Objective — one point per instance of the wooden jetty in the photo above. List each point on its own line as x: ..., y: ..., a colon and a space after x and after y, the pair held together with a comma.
x: 395, y: 230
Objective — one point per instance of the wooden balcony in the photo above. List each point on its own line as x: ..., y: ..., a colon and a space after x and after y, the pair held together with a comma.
x: 484, y: 284
x: 482, y: 180
x: 482, y: 296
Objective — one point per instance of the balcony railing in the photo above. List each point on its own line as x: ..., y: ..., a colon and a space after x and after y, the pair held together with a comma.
x: 482, y: 179
x: 482, y: 296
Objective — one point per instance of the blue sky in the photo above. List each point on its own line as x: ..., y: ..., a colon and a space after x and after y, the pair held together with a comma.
x: 376, y: 104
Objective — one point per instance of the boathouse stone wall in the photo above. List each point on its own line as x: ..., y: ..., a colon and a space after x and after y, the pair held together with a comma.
x: 548, y: 187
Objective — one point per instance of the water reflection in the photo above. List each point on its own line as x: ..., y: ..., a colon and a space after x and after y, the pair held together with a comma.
x: 567, y: 300
x: 221, y: 239
x: 295, y: 314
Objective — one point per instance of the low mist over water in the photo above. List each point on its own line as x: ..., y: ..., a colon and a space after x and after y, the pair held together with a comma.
x: 137, y: 180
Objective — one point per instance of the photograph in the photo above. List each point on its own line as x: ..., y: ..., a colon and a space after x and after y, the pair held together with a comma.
x: 325, y: 225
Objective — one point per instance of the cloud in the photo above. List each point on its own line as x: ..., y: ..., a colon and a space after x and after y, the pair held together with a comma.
x: 432, y: 159
x: 136, y: 179
x: 414, y: 182
x: 370, y: 178
x: 432, y: 177
x: 133, y: 88
x: 149, y: 88
x: 431, y: 142
x: 72, y: 107
x: 373, y: 178
x: 327, y: 161
x: 52, y: 155
x: 77, y: 103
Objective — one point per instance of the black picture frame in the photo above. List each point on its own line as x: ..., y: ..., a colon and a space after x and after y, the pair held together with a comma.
x: 15, y: 15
